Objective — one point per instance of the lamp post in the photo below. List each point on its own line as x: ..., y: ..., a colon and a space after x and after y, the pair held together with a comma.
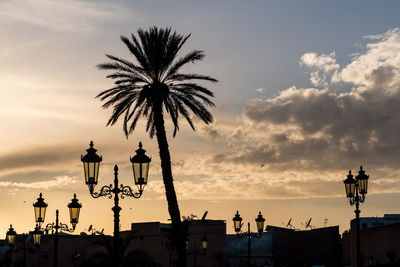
x: 237, y: 225
x: 11, y: 236
x: 40, y: 212
x: 37, y: 235
x: 356, y: 190
x: 91, y: 165
x: 195, y: 252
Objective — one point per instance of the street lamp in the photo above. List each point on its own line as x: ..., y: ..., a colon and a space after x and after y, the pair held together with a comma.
x: 40, y: 212
x: 74, y: 210
x: 260, y: 222
x: 204, y: 243
x: 237, y: 222
x: 356, y: 190
x: 140, y: 166
x: 11, y: 236
x: 37, y: 235
x: 237, y: 225
x: 195, y: 252
x: 91, y: 164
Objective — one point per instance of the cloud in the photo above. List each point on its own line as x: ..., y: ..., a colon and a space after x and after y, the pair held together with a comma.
x: 327, y: 129
x: 383, y: 53
x: 57, y: 182
x: 323, y: 62
x: 308, y: 138
x: 321, y: 65
x: 254, y: 185
x: 209, y: 131
x: 302, y: 142
x: 61, y: 15
x: 37, y: 157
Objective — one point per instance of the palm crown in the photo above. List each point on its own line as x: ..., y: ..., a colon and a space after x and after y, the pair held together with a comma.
x: 154, y: 83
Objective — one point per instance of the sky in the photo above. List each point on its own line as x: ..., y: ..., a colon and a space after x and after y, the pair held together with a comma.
x: 307, y: 91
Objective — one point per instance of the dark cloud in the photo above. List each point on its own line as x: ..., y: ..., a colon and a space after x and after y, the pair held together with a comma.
x: 35, y: 157
x: 319, y: 132
x: 293, y: 187
x: 34, y: 175
x: 279, y: 138
x: 336, y: 130
x: 210, y: 132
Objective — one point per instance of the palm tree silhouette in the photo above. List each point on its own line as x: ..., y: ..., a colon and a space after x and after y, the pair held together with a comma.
x: 149, y: 88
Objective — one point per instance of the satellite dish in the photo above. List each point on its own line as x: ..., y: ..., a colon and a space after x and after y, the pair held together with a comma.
x: 308, y: 223
x: 90, y: 228
x: 290, y: 225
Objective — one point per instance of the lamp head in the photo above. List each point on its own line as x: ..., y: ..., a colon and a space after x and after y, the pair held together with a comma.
x: 362, y: 180
x: 11, y: 235
x: 40, y: 210
x: 350, y: 185
x: 74, y: 210
x: 140, y: 166
x: 260, y: 222
x: 91, y: 165
x: 237, y: 222
x: 37, y: 235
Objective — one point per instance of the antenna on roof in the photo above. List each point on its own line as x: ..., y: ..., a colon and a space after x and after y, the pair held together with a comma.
x: 308, y: 224
x: 289, y: 224
x: 94, y: 231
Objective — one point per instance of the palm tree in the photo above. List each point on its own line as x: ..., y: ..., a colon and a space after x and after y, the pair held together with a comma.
x: 149, y: 88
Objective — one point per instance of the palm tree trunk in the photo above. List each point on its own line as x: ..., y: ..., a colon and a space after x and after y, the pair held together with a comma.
x: 178, y: 233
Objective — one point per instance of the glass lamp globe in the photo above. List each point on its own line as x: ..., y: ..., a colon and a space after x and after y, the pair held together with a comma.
x: 40, y: 210
x: 91, y: 165
x: 140, y: 166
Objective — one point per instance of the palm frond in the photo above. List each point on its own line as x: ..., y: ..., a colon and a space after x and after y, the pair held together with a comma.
x: 134, y: 121
x: 191, y: 91
x: 195, y: 87
x: 183, y: 111
x: 137, y: 51
x: 119, y: 108
x: 192, y: 57
x: 175, y: 42
x: 136, y: 69
x: 196, y: 107
x: 184, y: 77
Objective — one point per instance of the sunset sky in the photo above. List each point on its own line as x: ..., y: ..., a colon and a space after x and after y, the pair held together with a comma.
x: 309, y: 89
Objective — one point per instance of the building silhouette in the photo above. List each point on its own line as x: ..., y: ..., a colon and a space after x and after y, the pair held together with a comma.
x: 149, y: 244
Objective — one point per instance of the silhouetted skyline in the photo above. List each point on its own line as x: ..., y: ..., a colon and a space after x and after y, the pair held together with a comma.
x: 307, y: 91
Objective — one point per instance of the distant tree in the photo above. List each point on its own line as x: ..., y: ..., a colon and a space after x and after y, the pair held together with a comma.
x: 151, y: 87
